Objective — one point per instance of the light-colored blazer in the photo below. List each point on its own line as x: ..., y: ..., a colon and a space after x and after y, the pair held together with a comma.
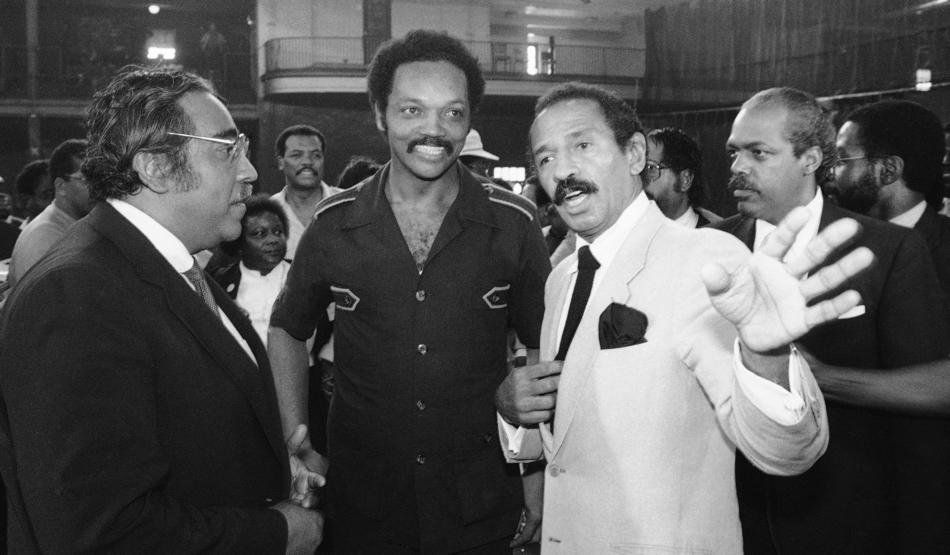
x: 642, y: 455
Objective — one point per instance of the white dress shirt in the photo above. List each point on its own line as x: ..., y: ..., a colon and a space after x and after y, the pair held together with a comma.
x: 174, y: 251
x: 296, y: 226
x: 910, y: 218
x: 257, y: 294
x: 688, y: 219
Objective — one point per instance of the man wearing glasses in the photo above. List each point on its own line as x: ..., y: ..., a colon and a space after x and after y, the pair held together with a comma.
x: 674, y: 177
x: 890, y: 166
x: 883, y: 484
x: 138, y: 406
x: 71, y: 202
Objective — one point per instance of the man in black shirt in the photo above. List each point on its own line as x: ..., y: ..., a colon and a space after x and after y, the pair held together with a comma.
x: 428, y: 270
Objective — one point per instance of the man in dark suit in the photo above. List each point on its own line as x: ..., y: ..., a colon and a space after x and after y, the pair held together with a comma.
x: 889, y: 167
x: 137, y: 406
x: 8, y: 237
x: 673, y: 177
x: 883, y: 485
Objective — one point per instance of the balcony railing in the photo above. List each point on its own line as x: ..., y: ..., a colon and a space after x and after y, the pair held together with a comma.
x: 62, y: 74
x: 500, y: 59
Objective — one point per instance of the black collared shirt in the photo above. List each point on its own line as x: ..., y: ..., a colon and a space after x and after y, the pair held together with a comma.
x: 419, y: 355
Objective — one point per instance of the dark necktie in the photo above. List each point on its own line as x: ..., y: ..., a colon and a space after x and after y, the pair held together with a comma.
x: 197, y: 278
x: 586, y: 268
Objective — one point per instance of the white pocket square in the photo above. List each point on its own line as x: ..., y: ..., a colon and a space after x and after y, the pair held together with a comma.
x: 853, y: 313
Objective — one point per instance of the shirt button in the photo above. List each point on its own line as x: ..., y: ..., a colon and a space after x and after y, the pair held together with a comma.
x: 422, y: 348
x: 420, y: 404
x: 421, y: 295
x: 420, y: 459
x: 554, y: 470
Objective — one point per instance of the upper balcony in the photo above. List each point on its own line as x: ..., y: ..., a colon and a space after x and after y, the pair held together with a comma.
x: 66, y: 80
x: 339, y: 64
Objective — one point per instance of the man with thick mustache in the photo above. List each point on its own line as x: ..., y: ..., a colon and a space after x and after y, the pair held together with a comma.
x: 656, y: 392
x: 428, y: 269
x: 301, y: 151
x: 884, y: 484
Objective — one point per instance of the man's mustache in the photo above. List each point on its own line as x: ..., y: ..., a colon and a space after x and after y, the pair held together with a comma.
x: 304, y: 168
x: 740, y: 182
x: 569, y: 185
x: 430, y: 141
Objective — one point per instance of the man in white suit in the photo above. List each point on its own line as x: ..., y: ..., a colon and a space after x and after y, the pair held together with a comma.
x: 656, y: 392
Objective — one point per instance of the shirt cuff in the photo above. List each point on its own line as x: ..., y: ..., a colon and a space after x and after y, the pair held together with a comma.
x: 786, y: 408
x: 514, y: 436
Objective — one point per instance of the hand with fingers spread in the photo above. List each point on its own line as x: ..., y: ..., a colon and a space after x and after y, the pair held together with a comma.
x: 528, y: 394
x: 767, y: 300
x: 307, y: 469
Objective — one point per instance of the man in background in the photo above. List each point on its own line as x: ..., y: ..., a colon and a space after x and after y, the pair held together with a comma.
x: 34, y: 190
x: 673, y: 177
x: 70, y: 203
x: 890, y: 167
x: 301, y: 151
x: 476, y: 158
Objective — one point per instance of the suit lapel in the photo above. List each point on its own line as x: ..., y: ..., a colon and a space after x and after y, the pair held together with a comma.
x: 616, y: 286
x: 206, y: 327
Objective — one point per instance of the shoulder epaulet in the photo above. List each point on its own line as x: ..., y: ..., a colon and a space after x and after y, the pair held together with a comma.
x: 500, y: 195
x: 336, y: 199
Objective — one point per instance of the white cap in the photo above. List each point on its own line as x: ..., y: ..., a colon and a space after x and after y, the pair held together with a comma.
x: 473, y: 147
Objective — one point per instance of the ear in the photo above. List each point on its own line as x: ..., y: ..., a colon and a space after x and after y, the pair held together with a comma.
x: 636, y: 152
x: 380, y: 118
x: 153, y: 171
x: 280, y: 162
x: 892, y: 169
x: 686, y: 180
x: 811, y: 160
x: 58, y: 184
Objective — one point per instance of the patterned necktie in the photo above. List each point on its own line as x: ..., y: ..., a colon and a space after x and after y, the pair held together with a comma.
x: 586, y: 268
x: 197, y: 278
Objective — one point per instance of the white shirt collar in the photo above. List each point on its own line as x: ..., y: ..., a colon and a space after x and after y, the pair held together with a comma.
x: 910, y: 217
x: 605, y: 247
x: 164, y: 241
x: 274, y: 275
x: 688, y: 219
x: 817, y: 204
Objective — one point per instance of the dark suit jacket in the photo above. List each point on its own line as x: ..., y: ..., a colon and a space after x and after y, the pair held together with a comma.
x: 130, y: 419
x: 229, y: 278
x: 703, y: 221
x: 883, y: 486
x: 936, y: 231
x: 8, y: 237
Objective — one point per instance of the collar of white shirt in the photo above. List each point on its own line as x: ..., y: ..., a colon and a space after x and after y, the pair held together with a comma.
x: 910, y: 217
x: 164, y: 241
x: 763, y: 228
x: 174, y: 251
x: 689, y: 218
x: 605, y: 247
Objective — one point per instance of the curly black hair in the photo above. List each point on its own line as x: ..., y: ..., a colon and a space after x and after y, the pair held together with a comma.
x: 906, y: 129
x: 134, y: 113
x: 681, y: 152
x: 422, y: 46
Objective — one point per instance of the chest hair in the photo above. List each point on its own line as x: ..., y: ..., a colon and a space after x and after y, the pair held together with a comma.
x: 419, y: 227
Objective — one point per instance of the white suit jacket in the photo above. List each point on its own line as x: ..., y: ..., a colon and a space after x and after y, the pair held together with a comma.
x: 642, y: 455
